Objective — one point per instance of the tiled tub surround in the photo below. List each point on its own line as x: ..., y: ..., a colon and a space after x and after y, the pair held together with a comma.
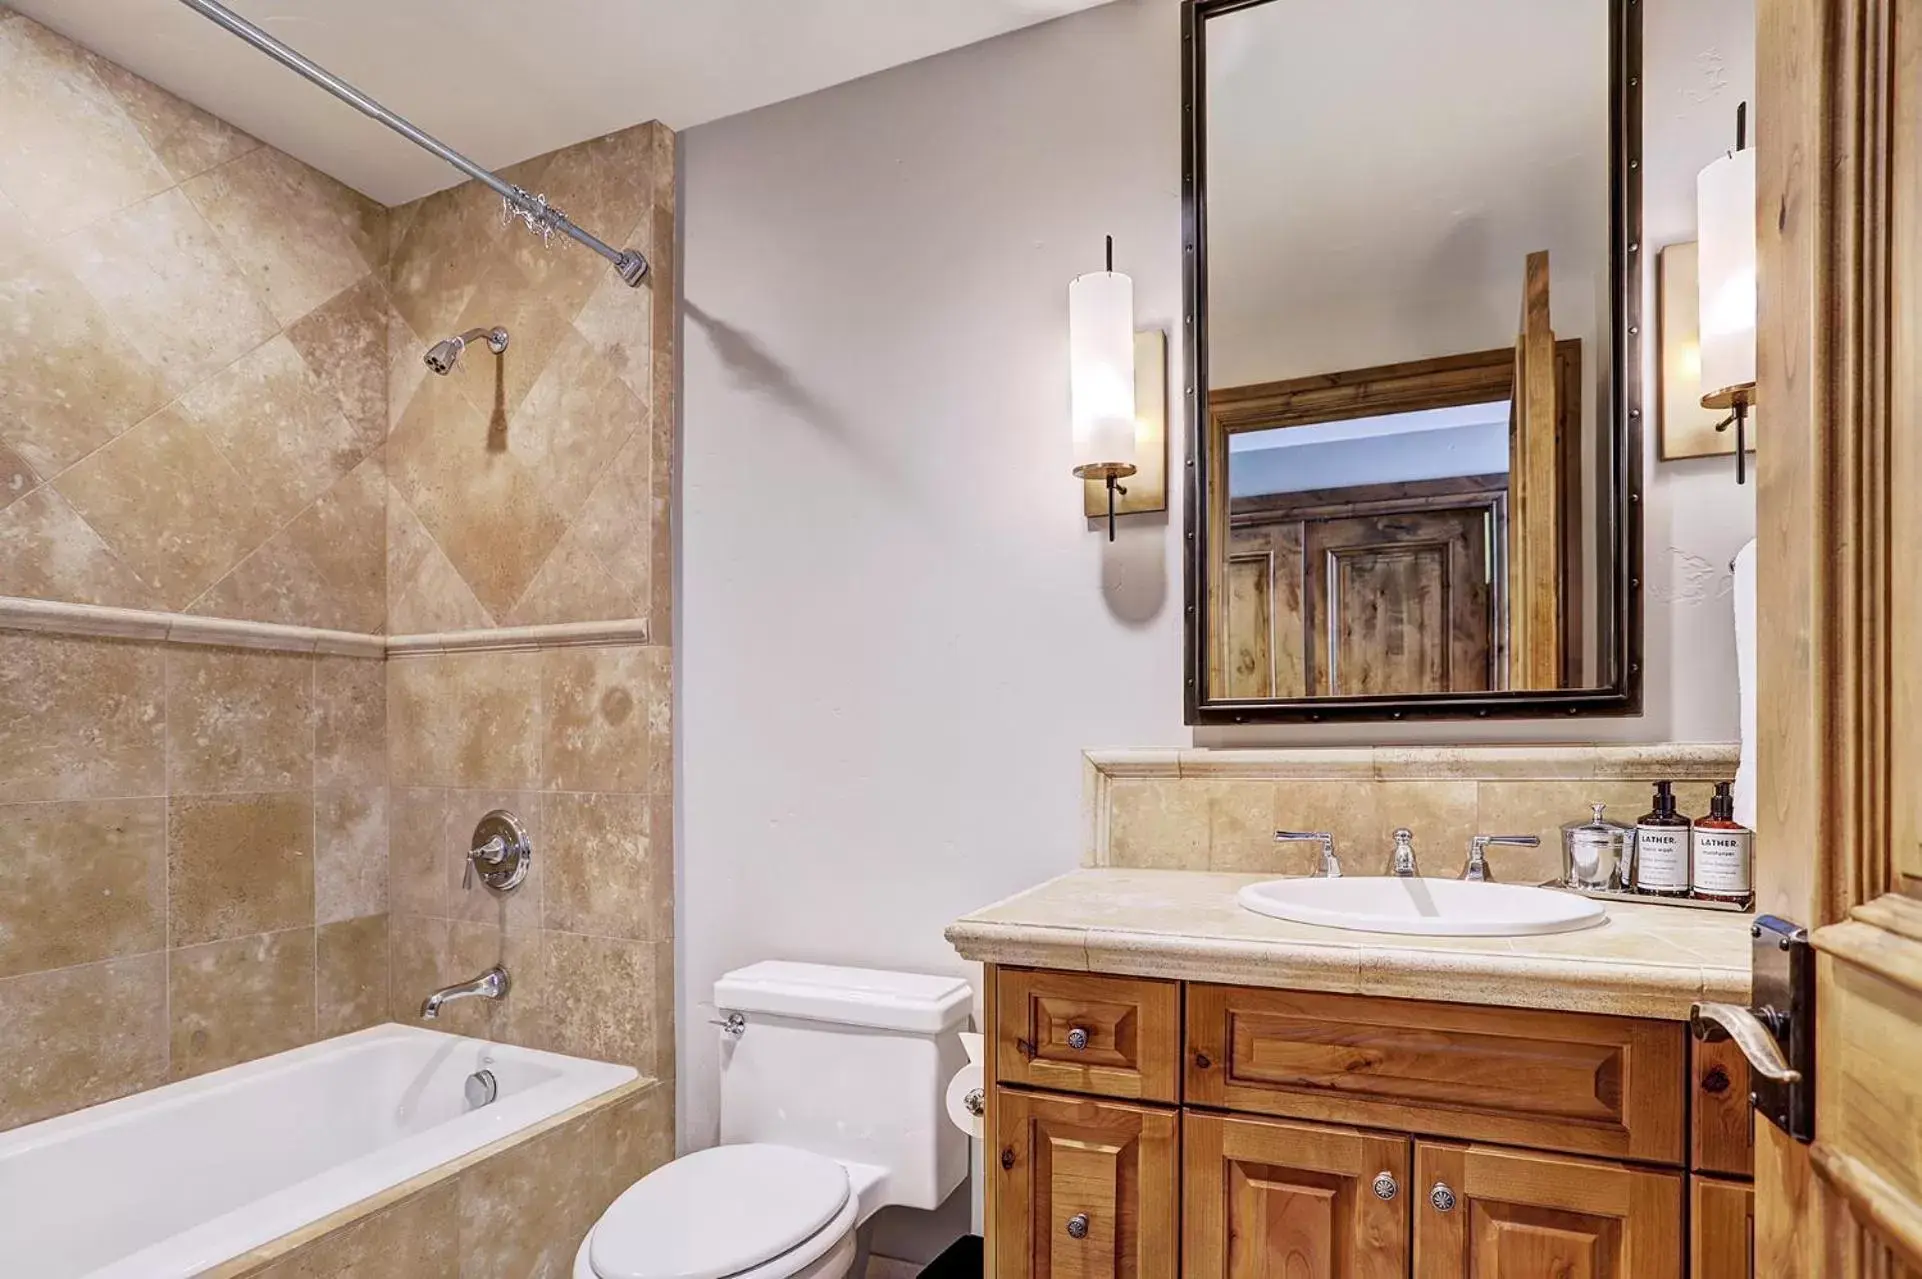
x: 196, y: 847
x: 360, y: 1155
x: 215, y: 408
x: 1219, y: 809
x: 577, y: 742
x: 1645, y: 961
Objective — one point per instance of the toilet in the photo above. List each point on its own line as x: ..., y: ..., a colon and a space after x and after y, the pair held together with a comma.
x: 832, y: 1083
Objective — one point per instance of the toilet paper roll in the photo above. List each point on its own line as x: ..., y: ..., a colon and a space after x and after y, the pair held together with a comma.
x: 967, y: 1099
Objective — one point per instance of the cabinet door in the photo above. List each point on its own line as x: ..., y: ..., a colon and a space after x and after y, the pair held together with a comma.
x: 1263, y: 1199
x: 1086, y: 1189
x: 1481, y: 1213
x: 1721, y: 1228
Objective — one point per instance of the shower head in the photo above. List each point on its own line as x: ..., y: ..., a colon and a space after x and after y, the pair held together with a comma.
x: 443, y: 355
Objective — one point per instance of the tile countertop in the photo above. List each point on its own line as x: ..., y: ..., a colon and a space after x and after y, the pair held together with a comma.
x: 1645, y: 961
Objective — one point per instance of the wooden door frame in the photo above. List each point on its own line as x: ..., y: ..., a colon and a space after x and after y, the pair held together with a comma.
x: 1839, y: 88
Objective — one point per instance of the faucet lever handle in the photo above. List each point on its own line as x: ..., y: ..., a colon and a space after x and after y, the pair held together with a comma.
x: 1330, y: 865
x: 1476, y: 871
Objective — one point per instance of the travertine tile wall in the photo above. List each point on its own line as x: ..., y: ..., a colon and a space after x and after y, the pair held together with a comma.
x: 532, y: 487
x: 194, y: 355
x: 576, y: 741
x: 527, y: 490
x: 193, y: 348
x: 196, y: 852
x: 1219, y: 810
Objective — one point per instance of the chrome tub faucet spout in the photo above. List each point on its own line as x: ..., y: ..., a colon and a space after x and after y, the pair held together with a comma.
x: 492, y: 984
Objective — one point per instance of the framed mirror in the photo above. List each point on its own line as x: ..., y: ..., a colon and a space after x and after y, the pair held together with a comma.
x: 1413, y: 304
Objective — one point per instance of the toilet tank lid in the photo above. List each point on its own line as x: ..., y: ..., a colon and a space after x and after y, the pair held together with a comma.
x: 872, y: 997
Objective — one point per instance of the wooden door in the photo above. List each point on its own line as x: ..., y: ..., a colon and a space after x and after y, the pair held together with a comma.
x: 1839, y: 636
x: 1488, y: 1213
x: 1087, y: 1189
x: 1399, y: 603
x: 1263, y: 1199
x: 1265, y: 646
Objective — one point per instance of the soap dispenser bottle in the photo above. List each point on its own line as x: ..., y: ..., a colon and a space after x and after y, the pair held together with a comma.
x: 1661, y: 847
x: 1722, y: 853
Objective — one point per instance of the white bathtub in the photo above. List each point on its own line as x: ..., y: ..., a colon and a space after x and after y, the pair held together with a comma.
x: 169, y: 1182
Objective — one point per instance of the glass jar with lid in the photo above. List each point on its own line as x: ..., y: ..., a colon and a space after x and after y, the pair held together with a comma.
x: 1598, y: 854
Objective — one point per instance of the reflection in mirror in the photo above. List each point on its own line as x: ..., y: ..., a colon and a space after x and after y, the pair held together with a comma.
x: 1411, y: 428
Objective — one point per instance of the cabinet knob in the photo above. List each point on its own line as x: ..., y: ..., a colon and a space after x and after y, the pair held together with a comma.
x: 1385, y: 1187
x: 1077, y: 1039
x: 1078, y: 1226
x: 1442, y: 1197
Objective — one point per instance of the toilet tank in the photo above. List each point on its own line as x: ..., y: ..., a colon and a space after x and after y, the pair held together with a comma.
x: 852, y: 1063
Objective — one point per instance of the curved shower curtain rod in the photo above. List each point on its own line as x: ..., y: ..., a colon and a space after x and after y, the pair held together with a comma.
x: 540, y: 216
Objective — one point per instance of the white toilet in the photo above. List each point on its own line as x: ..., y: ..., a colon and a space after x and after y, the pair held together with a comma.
x: 831, y: 1108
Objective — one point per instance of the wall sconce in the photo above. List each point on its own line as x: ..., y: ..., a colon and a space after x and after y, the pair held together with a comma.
x: 1101, y: 359
x: 1725, y: 218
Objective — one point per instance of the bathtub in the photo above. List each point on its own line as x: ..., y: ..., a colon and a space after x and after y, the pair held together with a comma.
x: 170, y: 1182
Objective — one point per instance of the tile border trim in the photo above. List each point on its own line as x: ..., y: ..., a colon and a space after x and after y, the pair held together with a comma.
x: 53, y: 617
x: 56, y: 618
x: 507, y: 638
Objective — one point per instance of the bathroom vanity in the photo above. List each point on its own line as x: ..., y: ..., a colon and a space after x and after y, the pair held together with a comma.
x: 1183, y: 1087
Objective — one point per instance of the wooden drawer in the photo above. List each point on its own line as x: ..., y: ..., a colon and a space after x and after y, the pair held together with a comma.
x: 1558, y: 1081
x: 1084, y: 1189
x: 1721, y: 1122
x: 1078, y: 1032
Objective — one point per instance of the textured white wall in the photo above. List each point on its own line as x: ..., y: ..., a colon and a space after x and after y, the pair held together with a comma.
x: 898, y: 632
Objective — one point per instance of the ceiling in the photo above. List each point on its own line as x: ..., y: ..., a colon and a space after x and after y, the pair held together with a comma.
x: 502, y: 81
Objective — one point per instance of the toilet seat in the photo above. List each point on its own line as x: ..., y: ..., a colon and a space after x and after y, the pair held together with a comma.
x: 750, y: 1211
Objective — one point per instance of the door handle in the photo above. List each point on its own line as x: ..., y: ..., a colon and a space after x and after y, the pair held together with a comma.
x: 1712, y: 1022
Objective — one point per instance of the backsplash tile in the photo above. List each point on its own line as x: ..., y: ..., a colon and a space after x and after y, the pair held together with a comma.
x: 1219, y: 810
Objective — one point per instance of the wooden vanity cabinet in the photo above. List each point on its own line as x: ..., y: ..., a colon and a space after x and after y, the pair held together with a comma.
x: 1220, y: 1132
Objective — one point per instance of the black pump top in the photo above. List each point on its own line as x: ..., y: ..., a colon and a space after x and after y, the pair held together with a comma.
x: 1665, y: 799
x: 1721, y: 805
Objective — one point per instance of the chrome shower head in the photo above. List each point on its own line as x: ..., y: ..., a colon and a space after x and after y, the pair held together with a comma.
x: 443, y: 355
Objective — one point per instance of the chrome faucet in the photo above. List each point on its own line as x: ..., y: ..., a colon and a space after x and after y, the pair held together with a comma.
x: 1476, y: 871
x: 1404, y: 863
x: 1330, y: 866
x: 492, y: 984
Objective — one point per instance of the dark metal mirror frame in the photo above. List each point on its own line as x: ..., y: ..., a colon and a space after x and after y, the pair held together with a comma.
x: 1621, y: 601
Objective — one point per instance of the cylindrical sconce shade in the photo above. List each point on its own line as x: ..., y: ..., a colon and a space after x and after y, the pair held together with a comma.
x: 1725, y: 220
x: 1101, y: 358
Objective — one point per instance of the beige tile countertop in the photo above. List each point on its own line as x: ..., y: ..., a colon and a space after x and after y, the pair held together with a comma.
x: 1645, y: 961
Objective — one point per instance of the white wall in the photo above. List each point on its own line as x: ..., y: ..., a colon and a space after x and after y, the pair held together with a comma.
x: 898, y: 632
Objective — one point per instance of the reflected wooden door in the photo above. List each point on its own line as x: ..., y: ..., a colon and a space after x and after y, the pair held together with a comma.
x: 1265, y: 1199
x: 1399, y: 603
x: 1486, y: 1213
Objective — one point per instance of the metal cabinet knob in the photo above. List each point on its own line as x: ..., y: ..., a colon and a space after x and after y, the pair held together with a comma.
x: 1077, y: 1038
x: 1078, y: 1226
x: 1442, y: 1197
x: 1385, y: 1187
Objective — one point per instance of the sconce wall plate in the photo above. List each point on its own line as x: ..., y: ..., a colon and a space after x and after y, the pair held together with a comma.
x: 1685, y: 428
x: 1148, y: 486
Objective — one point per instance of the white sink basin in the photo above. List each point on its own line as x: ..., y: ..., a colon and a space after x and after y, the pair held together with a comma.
x: 1434, y: 907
